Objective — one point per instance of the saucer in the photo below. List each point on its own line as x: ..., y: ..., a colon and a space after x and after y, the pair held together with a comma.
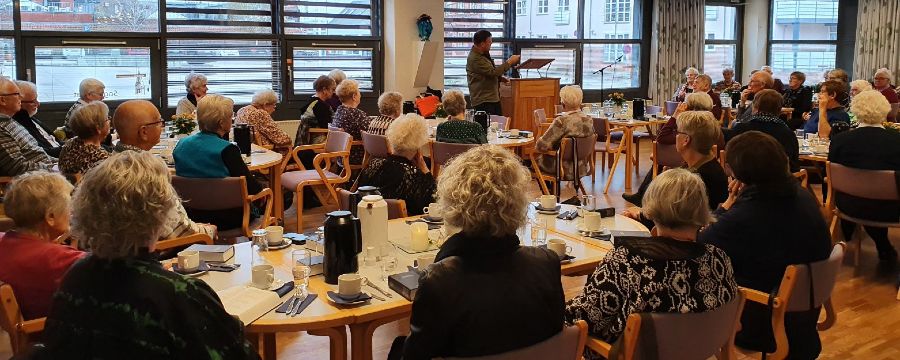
x: 285, y: 243
x: 544, y: 211
x: 432, y: 220
x: 602, y: 233
x: 202, y: 269
x: 345, y: 300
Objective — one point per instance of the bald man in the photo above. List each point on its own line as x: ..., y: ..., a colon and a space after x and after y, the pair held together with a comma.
x: 759, y: 81
x: 139, y: 125
x: 19, y: 152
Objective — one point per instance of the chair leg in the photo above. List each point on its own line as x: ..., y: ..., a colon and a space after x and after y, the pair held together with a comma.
x: 637, y: 156
x: 594, y: 167
x: 299, y: 203
x: 612, y: 172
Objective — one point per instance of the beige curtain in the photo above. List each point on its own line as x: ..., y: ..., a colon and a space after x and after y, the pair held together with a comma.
x: 877, y: 38
x: 677, y: 44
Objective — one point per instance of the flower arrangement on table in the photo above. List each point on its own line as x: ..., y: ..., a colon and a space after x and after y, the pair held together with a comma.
x: 440, y: 113
x: 184, y: 124
x: 617, y: 98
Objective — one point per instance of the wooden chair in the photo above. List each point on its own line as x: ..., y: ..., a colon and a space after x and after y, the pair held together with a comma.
x: 878, y: 185
x: 442, y: 153
x: 295, y: 177
x: 665, y: 155
x: 584, y: 150
x: 353, y: 144
x: 558, y: 108
x: 794, y: 295
x: 567, y: 344
x: 678, y: 336
x: 396, y: 207
x: 224, y: 193
x: 604, y: 145
x: 540, y: 117
x: 376, y: 146
x: 12, y: 321
x: 503, y: 121
x: 803, y: 177
x: 182, y: 241
x: 289, y: 127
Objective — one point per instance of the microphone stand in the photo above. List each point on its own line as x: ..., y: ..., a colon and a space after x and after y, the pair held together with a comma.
x: 601, y: 71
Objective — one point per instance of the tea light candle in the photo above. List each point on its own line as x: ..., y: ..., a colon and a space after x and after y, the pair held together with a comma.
x: 418, y: 237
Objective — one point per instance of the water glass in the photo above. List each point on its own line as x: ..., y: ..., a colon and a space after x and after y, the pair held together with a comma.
x: 301, y: 269
x: 388, y: 266
x: 538, y: 232
x: 470, y: 115
x: 260, y: 244
x: 588, y: 202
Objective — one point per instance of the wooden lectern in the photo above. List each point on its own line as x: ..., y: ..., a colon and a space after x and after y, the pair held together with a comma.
x: 520, y: 97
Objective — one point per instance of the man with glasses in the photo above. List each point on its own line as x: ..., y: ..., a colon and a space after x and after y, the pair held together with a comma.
x: 42, y: 134
x: 19, y: 152
x: 89, y: 89
x: 759, y: 81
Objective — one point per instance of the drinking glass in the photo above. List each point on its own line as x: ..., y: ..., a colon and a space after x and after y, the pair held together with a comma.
x: 470, y: 114
x: 587, y: 202
x: 388, y: 266
x: 301, y: 269
x: 538, y: 231
x: 260, y: 244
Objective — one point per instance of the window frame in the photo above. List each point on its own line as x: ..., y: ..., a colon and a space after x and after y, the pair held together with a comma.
x: 841, y: 51
x: 542, y: 4
x: 738, y: 37
x: 377, y: 64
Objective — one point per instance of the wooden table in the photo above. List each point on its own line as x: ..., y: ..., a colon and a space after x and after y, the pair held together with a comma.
x: 628, y: 143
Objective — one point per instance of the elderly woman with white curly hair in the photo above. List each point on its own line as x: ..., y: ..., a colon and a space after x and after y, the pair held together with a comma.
x: 570, y: 123
x: 195, y: 84
x: 403, y: 174
x: 120, y: 291
x: 690, y: 74
x: 90, y: 124
x: 483, y: 269
x: 456, y: 129
x: 390, y: 106
x: 207, y: 155
x: 259, y: 115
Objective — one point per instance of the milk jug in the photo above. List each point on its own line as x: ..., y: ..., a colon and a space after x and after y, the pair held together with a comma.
x: 373, y: 216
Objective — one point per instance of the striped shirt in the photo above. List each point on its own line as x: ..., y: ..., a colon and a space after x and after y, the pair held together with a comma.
x: 19, y: 152
x: 378, y: 124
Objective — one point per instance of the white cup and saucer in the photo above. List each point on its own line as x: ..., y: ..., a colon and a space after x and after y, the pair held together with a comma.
x: 592, y: 225
x: 434, y: 214
x: 547, y: 205
x: 275, y: 238
x: 562, y: 250
x: 188, y: 263
x: 349, y: 290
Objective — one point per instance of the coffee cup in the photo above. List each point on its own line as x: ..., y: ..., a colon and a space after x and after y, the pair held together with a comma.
x: 189, y: 260
x: 423, y: 261
x: 349, y: 284
x: 514, y: 132
x: 262, y: 276
x: 434, y: 210
x: 592, y: 221
x: 548, y: 201
x: 559, y: 247
x: 275, y: 235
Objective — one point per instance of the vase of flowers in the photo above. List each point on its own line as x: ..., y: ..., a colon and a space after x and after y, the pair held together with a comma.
x: 183, y: 124
x: 440, y: 113
x: 617, y: 98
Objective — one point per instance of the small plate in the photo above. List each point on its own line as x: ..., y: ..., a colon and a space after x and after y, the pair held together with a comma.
x: 432, y: 220
x: 603, y: 233
x: 202, y: 269
x: 566, y: 259
x: 285, y: 243
x: 539, y: 208
x: 343, y: 300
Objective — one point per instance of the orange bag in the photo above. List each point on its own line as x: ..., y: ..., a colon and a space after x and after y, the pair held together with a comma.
x: 427, y: 105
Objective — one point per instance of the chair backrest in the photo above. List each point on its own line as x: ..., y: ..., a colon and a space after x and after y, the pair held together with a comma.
x: 895, y: 108
x: 824, y: 277
x: 540, y: 116
x: 652, y: 109
x: 198, y: 238
x: 375, y: 145
x: 289, y: 127
x: 10, y: 314
x: 558, y: 108
x: 667, y: 155
x: 567, y: 344
x: 671, y: 106
x: 600, y: 128
x: 503, y: 121
x: 334, y: 128
x: 584, y: 147
x: 211, y: 194
x: 396, y: 207
x: 879, y: 184
x: 442, y: 152
x: 337, y: 141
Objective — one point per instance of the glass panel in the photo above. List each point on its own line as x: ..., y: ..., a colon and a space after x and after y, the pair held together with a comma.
x: 124, y: 71
x: 549, y: 19
x: 625, y: 74
x: 812, y: 59
x: 228, y: 16
x: 720, y: 22
x: 605, y: 19
x: 718, y: 57
x: 6, y: 14
x: 463, y: 18
x: 90, y: 16
x: 310, y: 63
x: 562, y: 67
x: 234, y: 68
x: 805, y: 20
x: 331, y: 17
x: 8, y: 57
x: 455, y: 56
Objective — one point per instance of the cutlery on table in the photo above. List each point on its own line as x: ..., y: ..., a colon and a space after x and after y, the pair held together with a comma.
x: 371, y: 285
x: 300, y: 300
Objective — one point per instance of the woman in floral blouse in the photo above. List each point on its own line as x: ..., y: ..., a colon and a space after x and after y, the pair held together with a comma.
x: 571, y: 123
x: 457, y: 129
x: 666, y: 273
x: 90, y: 123
x: 349, y: 118
x: 259, y: 115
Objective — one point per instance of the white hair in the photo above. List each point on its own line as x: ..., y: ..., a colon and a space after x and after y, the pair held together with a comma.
x: 728, y: 70
x: 32, y: 195
x: 194, y: 80
x: 390, y: 103
x: 346, y: 89
x: 337, y: 75
x: 212, y: 109
x: 571, y: 96
x: 861, y: 85
x: 86, y: 119
x: 26, y: 85
x: 90, y: 86
x: 691, y: 70
x: 265, y: 97
x: 454, y: 102
x: 407, y: 134
x: 698, y: 101
x: 677, y: 198
x: 870, y: 107
x: 887, y: 73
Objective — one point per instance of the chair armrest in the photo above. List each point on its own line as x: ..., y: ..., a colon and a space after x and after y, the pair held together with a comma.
x: 267, y: 215
x: 309, y: 147
x: 599, y: 346
x: 267, y: 192
x: 32, y: 326
x: 760, y: 297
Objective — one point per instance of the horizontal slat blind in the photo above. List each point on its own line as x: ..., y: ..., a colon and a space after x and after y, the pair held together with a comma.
x: 462, y: 18
x: 328, y: 17
x: 220, y: 16
x: 310, y: 63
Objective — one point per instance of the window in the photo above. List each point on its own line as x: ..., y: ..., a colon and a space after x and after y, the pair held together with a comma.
x: 521, y: 7
x: 221, y: 16
x: 328, y: 17
x: 563, y: 67
x: 8, y: 57
x: 562, y: 25
x: 234, y: 68
x: 562, y: 15
x: 604, y: 17
x: 712, y: 13
x: 88, y: 16
x: 543, y: 7
x: 625, y: 74
x: 721, y: 47
x: 563, y: 6
x: 124, y: 70
x: 311, y: 62
x: 6, y: 14
x: 462, y: 18
x: 618, y: 11
x: 803, y: 37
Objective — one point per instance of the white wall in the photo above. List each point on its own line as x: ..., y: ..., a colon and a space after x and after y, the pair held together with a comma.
x: 756, y: 35
x: 402, y: 45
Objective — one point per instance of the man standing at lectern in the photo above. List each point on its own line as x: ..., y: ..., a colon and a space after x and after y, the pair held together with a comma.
x: 484, y: 78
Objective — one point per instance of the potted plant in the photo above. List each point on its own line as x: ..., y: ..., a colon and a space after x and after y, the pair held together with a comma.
x: 617, y: 98
x: 183, y: 124
x: 440, y: 113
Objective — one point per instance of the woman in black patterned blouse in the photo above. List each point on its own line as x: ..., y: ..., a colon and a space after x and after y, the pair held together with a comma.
x: 349, y: 118
x: 667, y: 273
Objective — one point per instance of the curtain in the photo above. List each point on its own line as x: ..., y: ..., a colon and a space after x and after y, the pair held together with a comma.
x: 877, y: 38
x: 677, y: 44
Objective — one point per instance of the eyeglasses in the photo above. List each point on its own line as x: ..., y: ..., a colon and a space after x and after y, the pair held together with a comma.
x: 35, y: 101
x: 677, y: 132
x: 161, y: 121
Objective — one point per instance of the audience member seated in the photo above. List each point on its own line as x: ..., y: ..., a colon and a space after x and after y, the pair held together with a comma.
x: 843, y: 77
x: 766, y: 108
x: 883, y: 78
x: 403, y: 174
x: 798, y: 97
x: 349, y: 118
x: 703, y: 84
x: 89, y: 90
x: 139, y: 125
x: 485, y: 294
x: 316, y: 114
x: 764, y: 192
x: 759, y: 81
x: 457, y: 129
x: 697, y: 133
x: 90, y: 124
x: 195, y: 85
x: 571, y: 123
x: 259, y: 115
x: 690, y: 75
x: 831, y: 95
x: 869, y: 147
x: 19, y: 152
x: 638, y: 275
x: 338, y: 76
x: 119, y: 299
x: 777, y: 84
x: 42, y: 134
x: 728, y: 82
x: 206, y: 155
x: 31, y: 260
x: 390, y: 105
x: 858, y: 86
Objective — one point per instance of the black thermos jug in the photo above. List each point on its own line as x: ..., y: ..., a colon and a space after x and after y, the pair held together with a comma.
x: 343, y: 241
x: 637, y: 109
x: 242, y: 136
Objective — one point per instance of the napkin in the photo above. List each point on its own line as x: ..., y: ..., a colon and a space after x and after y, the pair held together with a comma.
x: 309, y: 299
x: 284, y: 289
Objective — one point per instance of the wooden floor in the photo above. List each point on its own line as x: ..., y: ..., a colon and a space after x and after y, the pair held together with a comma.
x: 868, y: 325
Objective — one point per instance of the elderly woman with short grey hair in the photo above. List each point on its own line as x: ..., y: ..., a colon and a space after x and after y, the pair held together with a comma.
x: 90, y: 124
x: 89, y: 90
x: 481, y: 195
x: 207, y: 155
x: 457, y: 129
x: 259, y: 115
x: 570, y: 123
x: 390, y: 105
x: 195, y: 84
x: 120, y: 290
x: 690, y: 74
x: 338, y: 76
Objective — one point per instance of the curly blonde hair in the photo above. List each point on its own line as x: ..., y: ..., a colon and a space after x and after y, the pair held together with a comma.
x: 32, y: 195
x: 122, y: 204
x: 346, y: 89
x: 407, y: 134
x: 481, y: 191
x: 390, y: 103
x: 870, y: 107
